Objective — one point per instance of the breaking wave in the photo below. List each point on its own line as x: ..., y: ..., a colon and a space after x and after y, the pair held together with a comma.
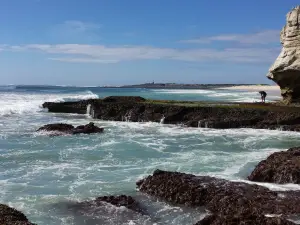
x: 20, y: 103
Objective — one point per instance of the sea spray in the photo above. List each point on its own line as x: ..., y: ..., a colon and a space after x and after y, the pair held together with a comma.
x: 162, y: 120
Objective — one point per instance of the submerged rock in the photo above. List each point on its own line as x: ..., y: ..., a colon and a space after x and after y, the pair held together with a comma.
x: 220, y: 196
x: 118, y: 201
x: 11, y: 216
x: 279, y: 167
x: 62, y: 128
x: 286, y: 69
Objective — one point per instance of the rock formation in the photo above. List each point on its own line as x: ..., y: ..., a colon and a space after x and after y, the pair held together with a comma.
x: 62, y: 128
x: 192, y: 114
x: 279, y: 167
x: 286, y: 69
x: 230, y: 201
x: 11, y: 216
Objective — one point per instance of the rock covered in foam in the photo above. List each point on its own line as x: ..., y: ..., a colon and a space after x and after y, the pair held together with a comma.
x: 286, y: 69
x: 280, y: 167
x: 62, y: 128
x: 11, y: 216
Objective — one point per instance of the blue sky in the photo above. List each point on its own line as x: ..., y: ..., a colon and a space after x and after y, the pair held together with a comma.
x: 113, y: 42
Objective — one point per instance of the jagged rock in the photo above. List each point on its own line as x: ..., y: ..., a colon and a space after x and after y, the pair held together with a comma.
x: 11, y: 216
x: 279, y: 167
x: 219, y: 196
x: 286, y: 69
x: 245, y: 219
x: 62, y: 128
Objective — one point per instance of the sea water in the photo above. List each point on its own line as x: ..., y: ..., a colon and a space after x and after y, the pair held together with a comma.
x: 42, y: 175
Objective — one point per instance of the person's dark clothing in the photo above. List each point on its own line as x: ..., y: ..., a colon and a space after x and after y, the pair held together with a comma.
x: 263, y: 95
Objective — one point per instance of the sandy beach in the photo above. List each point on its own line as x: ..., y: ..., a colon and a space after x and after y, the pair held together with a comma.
x: 253, y: 88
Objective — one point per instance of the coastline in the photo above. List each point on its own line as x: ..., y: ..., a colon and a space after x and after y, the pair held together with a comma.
x: 252, y: 88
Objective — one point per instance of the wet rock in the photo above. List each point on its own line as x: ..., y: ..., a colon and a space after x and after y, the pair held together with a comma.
x: 62, y: 128
x: 119, y: 201
x: 88, y: 129
x: 286, y: 69
x: 218, y: 195
x: 135, y: 109
x: 11, y: 216
x: 279, y: 167
x: 245, y: 219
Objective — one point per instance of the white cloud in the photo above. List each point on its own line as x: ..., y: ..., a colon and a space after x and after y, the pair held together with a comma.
x: 263, y: 37
x: 107, y: 54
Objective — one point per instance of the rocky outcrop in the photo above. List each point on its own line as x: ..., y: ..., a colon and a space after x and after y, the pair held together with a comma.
x: 279, y: 167
x: 11, y: 216
x: 62, y: 128
x: 192, y: 114
x: 233, y: 200
x: 286, y: 69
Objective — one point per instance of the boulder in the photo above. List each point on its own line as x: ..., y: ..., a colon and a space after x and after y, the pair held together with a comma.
x: 58, y: 127
x: 11, y: 216
x: 88, y: 129
x: 280, y: 167
x: 286, y: 69
x: 62, y: 128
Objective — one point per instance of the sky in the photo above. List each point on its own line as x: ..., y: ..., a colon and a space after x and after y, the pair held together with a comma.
x: 115, y: 42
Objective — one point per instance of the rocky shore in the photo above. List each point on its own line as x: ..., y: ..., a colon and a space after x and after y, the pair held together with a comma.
x: 191, y: 114
x: 226, y: 202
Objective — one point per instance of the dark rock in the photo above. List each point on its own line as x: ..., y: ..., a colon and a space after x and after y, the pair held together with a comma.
x: 62, y: 128
x: 88, y: 129
x: 124, y: 99
x: 218, y: 195
x: 121, y: 200
x: 193, y: 114
x: 11, y: 216
x: 279, y: 167
x: 245, y: 219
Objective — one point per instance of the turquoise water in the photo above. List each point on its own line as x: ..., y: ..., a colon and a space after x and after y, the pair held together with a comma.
x: 42, y: 175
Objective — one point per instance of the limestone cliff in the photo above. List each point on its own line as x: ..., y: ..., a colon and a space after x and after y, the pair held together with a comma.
x: 286, y: 69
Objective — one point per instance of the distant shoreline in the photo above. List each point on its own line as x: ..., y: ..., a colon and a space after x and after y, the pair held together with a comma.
x: 160, y: 86
x: 252, y: 88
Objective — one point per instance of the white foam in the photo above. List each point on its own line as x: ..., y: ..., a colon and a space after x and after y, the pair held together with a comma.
x: 21, y: 103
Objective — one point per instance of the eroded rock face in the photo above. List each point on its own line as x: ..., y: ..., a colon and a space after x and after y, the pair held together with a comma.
x: 279, y: 167
x: 286, y: 69
x: 62, y: 128
x: 11, y: 216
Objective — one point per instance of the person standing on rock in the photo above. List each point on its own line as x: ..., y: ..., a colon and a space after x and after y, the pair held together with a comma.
x: 263, y: 95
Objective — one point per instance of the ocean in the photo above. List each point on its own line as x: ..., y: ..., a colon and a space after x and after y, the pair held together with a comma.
x: 42, y: 176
